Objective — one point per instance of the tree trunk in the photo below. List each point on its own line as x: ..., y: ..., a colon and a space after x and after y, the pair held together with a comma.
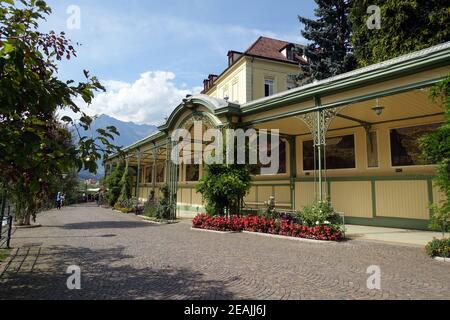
x: 27, y: 219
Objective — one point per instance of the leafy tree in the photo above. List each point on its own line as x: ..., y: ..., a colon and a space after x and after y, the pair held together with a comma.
x: 330, y: 50
x: 31, y: 190
x: 34, y: 145
x: 68, y: 183
x: 224, y: 187
x: 406, y: 26
x: 436, y: 148
x: 113, y: 183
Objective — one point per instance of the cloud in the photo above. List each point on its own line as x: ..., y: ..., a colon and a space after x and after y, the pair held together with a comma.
x: 109, y: 36
x: 148, y: 100
x: 217, y: 37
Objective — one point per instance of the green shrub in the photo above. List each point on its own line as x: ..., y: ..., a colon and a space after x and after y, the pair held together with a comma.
x: 439, y: 248
x: 103, y: 200
x: 440, y: 218
x: 436, y: 149
x: 269, y: 212
x: 125, y: 186
x: 150, y: 209
x: 164, y: 209
x: 320, y: 213
x: 127, y: 205
x: 113, y: 183
x: 224, y: 187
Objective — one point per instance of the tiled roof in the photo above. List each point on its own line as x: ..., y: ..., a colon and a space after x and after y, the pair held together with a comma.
x: 271, y: 48
x: 264, y: 48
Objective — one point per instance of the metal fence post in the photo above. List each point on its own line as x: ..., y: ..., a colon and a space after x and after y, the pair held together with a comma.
x: 8, y: 241
x: 2, y: 212
x: 1, y: 225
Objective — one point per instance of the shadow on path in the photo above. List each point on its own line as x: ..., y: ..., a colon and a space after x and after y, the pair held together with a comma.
x: 40, y: 273
x: 107, y: 225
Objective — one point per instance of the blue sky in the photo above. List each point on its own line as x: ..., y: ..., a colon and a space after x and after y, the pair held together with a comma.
x: 151, y: 53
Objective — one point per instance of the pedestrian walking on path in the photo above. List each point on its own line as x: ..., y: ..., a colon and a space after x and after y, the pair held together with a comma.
x: 58, y: 201
x: 63, y: 199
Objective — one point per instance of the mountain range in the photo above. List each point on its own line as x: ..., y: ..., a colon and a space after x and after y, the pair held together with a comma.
x: 130, y: 133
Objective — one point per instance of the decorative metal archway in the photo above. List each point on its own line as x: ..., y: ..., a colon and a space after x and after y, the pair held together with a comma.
x: 172, y: 174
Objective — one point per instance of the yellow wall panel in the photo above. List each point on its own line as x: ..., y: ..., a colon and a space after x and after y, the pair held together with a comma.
x: 251, y: 197
x: 354, y: 199
x: 304, y: 194
x: 402, y: 199
x: 196, y: 198
x: 283, y: 194
x: 264, y: 193
x: 186, y: 195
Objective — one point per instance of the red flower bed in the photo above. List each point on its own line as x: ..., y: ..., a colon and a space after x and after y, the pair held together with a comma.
x: 269, y: 226
x: 203, y: 221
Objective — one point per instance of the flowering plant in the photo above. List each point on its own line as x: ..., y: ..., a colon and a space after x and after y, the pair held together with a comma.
x: 282, y: 227
x: 439, y: 248
x: 203, y: 221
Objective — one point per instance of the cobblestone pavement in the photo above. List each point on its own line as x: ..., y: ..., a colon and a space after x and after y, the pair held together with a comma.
x: 122, y: 257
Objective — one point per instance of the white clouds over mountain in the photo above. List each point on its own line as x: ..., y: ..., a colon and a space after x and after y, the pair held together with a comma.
x: 147, y: 100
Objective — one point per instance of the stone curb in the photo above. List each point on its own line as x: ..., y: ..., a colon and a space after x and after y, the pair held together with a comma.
x: 27, y: 227
x: 214, y: 231
x: 275, y: 236
x: 117, y: 211
x: 150, y: 221
x: 144, y: 218
x: 440, y: 259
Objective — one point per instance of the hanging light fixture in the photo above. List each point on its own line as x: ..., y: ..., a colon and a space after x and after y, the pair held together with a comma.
x: 378, y: 109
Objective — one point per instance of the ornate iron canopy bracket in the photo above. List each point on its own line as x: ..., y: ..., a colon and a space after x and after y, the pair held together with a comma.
x: 318, y: 123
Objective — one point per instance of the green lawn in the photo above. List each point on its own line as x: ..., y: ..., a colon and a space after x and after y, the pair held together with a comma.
x: 4, y: 254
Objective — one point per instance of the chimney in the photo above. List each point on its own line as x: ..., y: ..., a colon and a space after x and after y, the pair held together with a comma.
x: 205, y: 85
x: 212, y: 78
x: 233, y: 56
x: 230, y: 58
x: 208, y: 83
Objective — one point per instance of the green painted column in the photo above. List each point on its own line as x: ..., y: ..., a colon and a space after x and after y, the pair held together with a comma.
x: 155, y: 154
x: 171, y: 178
x: 293, y: 167
x: 168, y: 151
x: 138, y: 174
x: 319, y: 138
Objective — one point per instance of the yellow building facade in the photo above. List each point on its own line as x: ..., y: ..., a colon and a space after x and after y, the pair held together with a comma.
x: 367, y: 122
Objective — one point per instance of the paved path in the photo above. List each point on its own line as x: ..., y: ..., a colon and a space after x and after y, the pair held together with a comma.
x: 122, y: 257
x: 392, y: 235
